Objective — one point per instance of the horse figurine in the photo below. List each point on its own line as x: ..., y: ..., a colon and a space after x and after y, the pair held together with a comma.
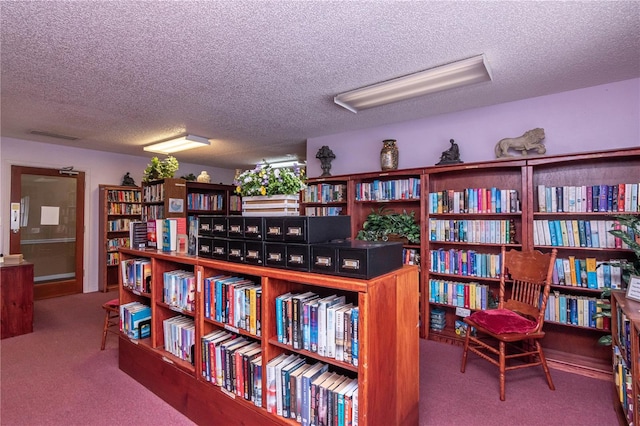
x: 531, y: 139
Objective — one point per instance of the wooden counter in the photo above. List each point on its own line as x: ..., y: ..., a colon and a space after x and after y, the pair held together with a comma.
x: 16, y: 286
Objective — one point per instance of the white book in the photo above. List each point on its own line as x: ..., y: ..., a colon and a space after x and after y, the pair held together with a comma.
x: 627, y: 197
x: 339, y: 336
x: 354, y: 409
x: 322, y: 321
x: 278, y: 372
x: 542, y: 199
x: 547, y: 233
x: 331, y: 330
x: 271, y: 382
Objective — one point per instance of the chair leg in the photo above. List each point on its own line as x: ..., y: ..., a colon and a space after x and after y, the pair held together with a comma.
x: 544, y: 366
x: 104, y: 330
x: 465, y: 352
x: 502, y: 369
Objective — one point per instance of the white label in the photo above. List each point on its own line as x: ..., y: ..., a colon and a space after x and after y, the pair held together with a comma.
x: 350, y: 264
x: 323, y: 261
x: 463, y: 312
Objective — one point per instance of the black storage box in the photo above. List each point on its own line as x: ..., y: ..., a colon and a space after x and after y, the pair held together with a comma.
x: 274, y: 228
x: 298, y: 256
x: 324, y: 259
x: 236, y: 251
x: 361, y: 259
x: 235, y: 227
x: 275, y: 254
x: 205, y: 225
x: 219, y: 248
x: 316, y: 229
x: 254, y: 252
x: 205, y: 246
x: 218, y: 226
x: 254, y: 228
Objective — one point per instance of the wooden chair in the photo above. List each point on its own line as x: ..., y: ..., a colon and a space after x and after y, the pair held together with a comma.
x: 513, y: 331
x: 111, y: 319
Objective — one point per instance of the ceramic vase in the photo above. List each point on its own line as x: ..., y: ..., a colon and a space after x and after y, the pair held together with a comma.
x: 389, y: 155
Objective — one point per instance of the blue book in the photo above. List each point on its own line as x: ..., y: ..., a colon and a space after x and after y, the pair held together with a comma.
x: 587, y: 233
x: 552, y: 233
x: 355, y: 341
x: 583, y: 233
x: 563, y: 309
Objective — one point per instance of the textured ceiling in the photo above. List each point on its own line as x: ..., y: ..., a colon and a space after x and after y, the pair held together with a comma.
x: 258, y: 77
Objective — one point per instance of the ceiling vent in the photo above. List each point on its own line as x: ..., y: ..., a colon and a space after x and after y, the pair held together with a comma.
x: 53, y: 135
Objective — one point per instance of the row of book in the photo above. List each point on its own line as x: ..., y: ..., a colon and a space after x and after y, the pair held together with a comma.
x: 624, y: 333
x: 310, y: 393
x: 113, y: 258
x: 580, y: 233
x: 115, y: 243
x: 323, y: 211
x: 472, y: 231
x: 179, y: 290
x: 587, y: 273
x: 325, y: 193
x: 622, y: 197
x: 152, y: 212
x: 235, y: 203
x: 235, y: 301
x: 127, y: 196
x: 124, y: 208
x: 623, y: 380
x: 209, y: 202
x: 167, y: 234
x: 135, y: 320
x: 381, y: 190
x: 136, y: 274
x: 327, y: 325
x: 118, y: 225
x: 179, y: 337
x: 475, y: 200
x: 575, y: 310
x: 410, y: 256
x: 234, y: 363
x: 465, y: 295
x: 465, y: 262
x: 153, y: 193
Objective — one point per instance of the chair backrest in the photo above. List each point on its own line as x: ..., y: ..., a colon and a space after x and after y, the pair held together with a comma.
x: 529, y: 275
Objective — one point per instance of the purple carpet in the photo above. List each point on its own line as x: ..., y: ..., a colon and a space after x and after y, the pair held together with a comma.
x: 57, y: 375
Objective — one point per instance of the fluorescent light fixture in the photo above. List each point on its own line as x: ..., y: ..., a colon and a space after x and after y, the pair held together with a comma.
x: 457, y: 74
x: 179, y: 144
x: 283, y: 164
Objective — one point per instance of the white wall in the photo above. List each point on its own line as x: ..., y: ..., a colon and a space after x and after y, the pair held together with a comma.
x: 592, y: 119
x: 99, y: 167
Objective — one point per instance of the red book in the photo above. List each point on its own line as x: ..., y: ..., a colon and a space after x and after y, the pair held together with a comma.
x: 621, y: 195
x: 466, y: 297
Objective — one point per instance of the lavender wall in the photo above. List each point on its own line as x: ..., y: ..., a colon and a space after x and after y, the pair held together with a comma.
x: 591, y: 119
x: 99, y: 168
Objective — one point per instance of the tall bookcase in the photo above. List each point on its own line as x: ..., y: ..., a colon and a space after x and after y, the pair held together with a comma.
x: 119, y: 205
x: 164, y: 199
x: 518, y: 179
x: 472, y: 210
x: 625, y: 328
x: 388, y: 340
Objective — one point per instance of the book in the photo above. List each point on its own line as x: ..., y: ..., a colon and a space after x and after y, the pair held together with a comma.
x: 169, y: 235
x: 271, y: 404
x: 138, y: 235
x: 152, y: 235
x: 307, y: 378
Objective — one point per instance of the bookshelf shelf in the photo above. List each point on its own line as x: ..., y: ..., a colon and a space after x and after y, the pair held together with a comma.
x: 119, y: 206
x: 388, y: 312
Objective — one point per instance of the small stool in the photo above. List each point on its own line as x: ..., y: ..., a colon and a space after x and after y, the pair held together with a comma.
x: 111, y: 319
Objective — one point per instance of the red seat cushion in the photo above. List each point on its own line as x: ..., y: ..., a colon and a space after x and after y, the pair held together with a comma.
x: 501, y: 321
x: 113, y: 302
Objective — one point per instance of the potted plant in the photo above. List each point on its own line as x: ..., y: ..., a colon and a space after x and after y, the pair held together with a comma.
x: 160, y: 169
x: 385, y: 225
x: 627, y: 268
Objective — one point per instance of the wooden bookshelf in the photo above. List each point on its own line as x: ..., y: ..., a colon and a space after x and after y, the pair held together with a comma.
x: 625, y: 328
x: 388, y: 341
x: 326, y: 196
x: 164, y: 199
x: 119, y: 205
x: 568, y: 344
x: 212, y: 198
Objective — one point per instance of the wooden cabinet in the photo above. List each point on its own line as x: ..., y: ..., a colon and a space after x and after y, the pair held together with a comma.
x: 17, y: 299
x: 164, y: 199
x: 211, y: 198
x: 625, y: 327
x: 119, y: 206
x: 388, y: 340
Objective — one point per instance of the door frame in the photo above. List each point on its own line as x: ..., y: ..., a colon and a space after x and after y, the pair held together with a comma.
x: 63, y: 287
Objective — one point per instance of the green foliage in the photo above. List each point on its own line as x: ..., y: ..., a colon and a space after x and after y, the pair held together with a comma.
x: 190, y: 177
x: 265, y: 180
x: 158, y: 169
x: 628, y: 268
x: 384, y: 223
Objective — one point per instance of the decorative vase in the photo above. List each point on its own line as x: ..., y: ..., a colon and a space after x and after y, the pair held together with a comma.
x: 389, y: 155
x: 204, y: 177
x: 271, y: 205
